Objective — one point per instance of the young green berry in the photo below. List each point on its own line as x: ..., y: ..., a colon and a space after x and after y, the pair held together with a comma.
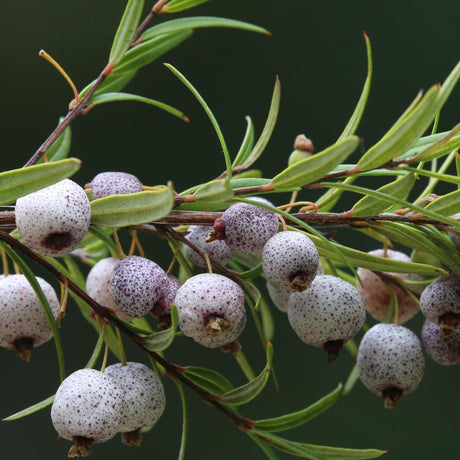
x: 443, y: 350
x: 211, y: 309
x: 290, y: 259
x: 390, y: 361
x: 113, y: 183
x: 23, y: 322
x: 87, y: 409
x: 328, y: 314
x: 54, y: 220
x: 137, y: 284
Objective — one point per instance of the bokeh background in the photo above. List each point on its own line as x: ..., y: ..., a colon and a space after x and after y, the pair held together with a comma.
x: 318, y: 52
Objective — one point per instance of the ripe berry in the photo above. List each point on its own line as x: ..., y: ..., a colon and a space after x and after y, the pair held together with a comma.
x: 23, y: 322
x: 377, y: 294
x: 145, y: 399
x: 327, y: 314
x: 215, y: 249
x: 113, y: 183
x: 211, y: 309
x: 54, y: 220
x: 443, y: 350
x: 137, y: 284
x: 390, y: 361
x: 280, y: 296
x: 290, y: 259
x: 162, y: 308
x: 440, y: 303
x: 87, y: 409
x: 245, y: 227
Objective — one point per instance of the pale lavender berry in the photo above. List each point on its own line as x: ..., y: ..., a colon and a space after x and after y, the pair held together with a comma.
x: 23, y: 322
x: 211, y: 309
x: 390, y: 361
x: 54, y: 220
x: 162, y: 309
x: 114, y: 183
x: 328, y: 314
x: 144, y: 400
x: 440, y: 303
x: 216, y: 249
x: 290, y: 259
x: 137, y: 284
x: 246, y: 228
x: 443, y: 350
x: 87, y: 409
x: 280, y: 296
x: 377, y: 294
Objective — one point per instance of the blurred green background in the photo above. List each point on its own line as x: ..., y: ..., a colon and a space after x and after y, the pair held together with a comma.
x: 318, y: 52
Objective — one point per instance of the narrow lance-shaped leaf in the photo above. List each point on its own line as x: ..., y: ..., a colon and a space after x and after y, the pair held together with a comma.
x: 247, y: 144
x: 126, y: 30
x: 133, y: 209
x: 20, y: 182
x: 159, y: 341
x: 61, y: 147
x: 111, y: 84
x: 30, y: 410
x: 449, y: 84
x: 175, y: 6
x: 214, y: 191
x: 208, y: 379
x: 447, y: 205
x: 342, y: 453
x: 442, y: 146
x: 317, y: 166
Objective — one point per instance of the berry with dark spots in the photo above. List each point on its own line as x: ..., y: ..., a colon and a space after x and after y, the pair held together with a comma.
x: 290, y: 259
x: 443, y: 350
x: 23, y: 322
x: 440, y: 303
x: 162, y: 309
x: 137, y: 284
x: 211, y: 309
x: 54, y: 220
x: 144, y: 400
x: 113, y: 183
x: 328, y: 314
x: 87, y: 409
x: 280, y: 296
x: 390, y: 361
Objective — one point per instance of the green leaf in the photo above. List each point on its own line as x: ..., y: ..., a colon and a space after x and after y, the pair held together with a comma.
x: 447, y: 205
x: 449, y: 84
x: 404, y: 134
x: 175, y: 6
x: 132, y: 209
x: 159, y: 341
x: 246, y: 145
x: 214, y: 191
x: 340, y: 453
x: 289, y: 421
x: 400, y: 188
x: 111, y: 84
x: 126, y: 30
x: 442, y: 146
x: 268, y: 324
x: 183, y: 441
x: 353, y: 377
x: 268, y: 451
x: 115, y: 97
x: 355, y: 119
x: 175, y: 25
x: 30, y: 410
x: 208, y: 379
x: 20, y: 182
x: 148, y: 51
x: 61, y: 147
x: 248, y: 392
x: 317, y: 166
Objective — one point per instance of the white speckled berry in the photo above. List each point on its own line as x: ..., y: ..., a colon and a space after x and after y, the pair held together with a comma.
x: 216, y: 249
x: 390, y: 361
x: 162, y: 309
x: 377, y: 296
x: 290, y: 258
x: 114, y: 183
x: 87, y: 408
x: 280, y: 296
x: 327, y: 314
x: 145, y: 398
x: 248, y: 227
x: 211, y: 309
x: 23, y: 323
x: 54, y: 220
x: 440, y: 303
x: 137, y: 284
x: 443, y: 350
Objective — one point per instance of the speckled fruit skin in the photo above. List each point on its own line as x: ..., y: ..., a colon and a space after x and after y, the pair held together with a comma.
x: 207, y: 296
x: 21, y: 313
x: 248, y: 227
x: 89, y: 404
x: 114, y: 183
x: 330, y: 310
x: 443, y: 350
x: 145, y: 398
x: 216, y: 249
x: 288, y: 254
x: 137, y: 284
x: 54, y: 220
x: 390, y: 356
x: 280, y: 296
x: 377, y: 296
